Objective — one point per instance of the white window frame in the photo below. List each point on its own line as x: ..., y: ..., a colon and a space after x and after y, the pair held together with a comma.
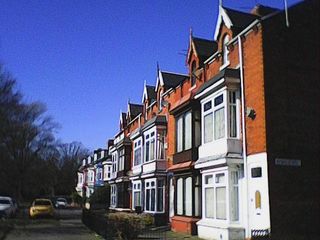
x: 237, y: 106
x: 136, y: 145
x: 212, y: 110
x: 215, y: 185
x: 113, y: 195
x: 227, y: 171
x: 99, y: 174
x: 160, y: 152
x: 182, y: 117
x: 227, y: 116
x: 150, y: 136
x: 114, y: 160
x: 90, y: 176
x: 148, y: 186
x: 80, y: 178
x: 121, y: 159
x: 105, y: 171
x: 136, y: 188
x: 234, y: 186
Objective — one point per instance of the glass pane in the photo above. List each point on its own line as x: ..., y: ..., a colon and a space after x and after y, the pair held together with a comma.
x: 136, y: 199
x: 179, y: 134
x: 197, y: 201
x: 179, y: 196
x: 148, y: 199
x: 233, y: 121
x: 137, y: 156
x: 152, y: 155
x: 208, y: 179
x: 147, y: 151
x: 187, y: 131
x: 218, y: 100
x: 209, y: 207
x: 220, y: 178
x: 221, y: 202
x: 161, y: 149
x: 188, y: 197
x: 207, y: 129
x: 160, y: 198
x: 235, y: 204
x: 153, y: 199
x: 219, y: 123
x: 207, y: 106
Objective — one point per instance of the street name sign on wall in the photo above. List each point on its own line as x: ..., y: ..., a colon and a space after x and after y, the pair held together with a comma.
x: 288, y: 162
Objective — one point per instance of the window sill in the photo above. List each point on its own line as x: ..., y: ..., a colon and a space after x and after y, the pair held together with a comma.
x: 153, y: 212
x: 207, y: 222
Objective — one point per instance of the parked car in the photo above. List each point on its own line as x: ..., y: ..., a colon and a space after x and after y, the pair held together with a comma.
x: 8, y: 207
x: 41, y: 207
x: 61, y: 203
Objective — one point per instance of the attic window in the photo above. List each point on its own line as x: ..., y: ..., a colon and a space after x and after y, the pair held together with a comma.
x: 225, y: 51
x: 193, y: 73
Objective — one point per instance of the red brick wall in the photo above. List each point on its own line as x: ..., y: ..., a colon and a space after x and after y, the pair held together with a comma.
x: 254, y: 92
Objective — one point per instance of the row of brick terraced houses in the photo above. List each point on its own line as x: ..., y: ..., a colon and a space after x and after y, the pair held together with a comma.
x: 183, y: 155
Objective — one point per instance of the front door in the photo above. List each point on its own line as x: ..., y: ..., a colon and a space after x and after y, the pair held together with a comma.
x: 259, y: 218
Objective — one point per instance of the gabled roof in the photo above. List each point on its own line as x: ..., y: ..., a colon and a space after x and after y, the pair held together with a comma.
x: 233, y: 19
x: 149, y: 92
x: 134, y: 110
x: 169, y: 79
x: 123, y: 119
x: 204, y: 48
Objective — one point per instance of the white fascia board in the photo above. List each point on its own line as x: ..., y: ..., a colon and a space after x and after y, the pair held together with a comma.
x: 209, y: 88
x: 152, y: 104
x: 135, y: 135
x: 145, y: 93
x: 159, y: 80
x: 134, y: 178
x: 222, y: 17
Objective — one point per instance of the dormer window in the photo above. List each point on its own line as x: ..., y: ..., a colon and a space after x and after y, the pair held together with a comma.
x: 225, y: 50
x: 193, y: 73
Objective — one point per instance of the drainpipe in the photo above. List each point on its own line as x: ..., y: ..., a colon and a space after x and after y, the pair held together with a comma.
x: 244, y: 140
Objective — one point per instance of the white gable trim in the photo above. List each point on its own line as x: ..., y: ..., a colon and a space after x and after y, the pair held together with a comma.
x: 159, y: 80
x: 145, y: 92
x: 222, y: 18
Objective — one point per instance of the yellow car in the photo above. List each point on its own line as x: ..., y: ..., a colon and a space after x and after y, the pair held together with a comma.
x: 41, y: 207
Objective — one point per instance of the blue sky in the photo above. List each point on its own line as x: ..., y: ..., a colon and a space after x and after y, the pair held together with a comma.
x: 85, y: 59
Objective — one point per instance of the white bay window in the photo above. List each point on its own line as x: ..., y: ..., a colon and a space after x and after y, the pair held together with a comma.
x: 154, y: 195
x: 220, y: 117
x: 221, y: 194
x: 137, y: 152
x: 136, y: 193
x: 150, y: 146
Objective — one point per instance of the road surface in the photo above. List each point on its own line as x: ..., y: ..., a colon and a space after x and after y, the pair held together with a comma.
x: 66, y: 225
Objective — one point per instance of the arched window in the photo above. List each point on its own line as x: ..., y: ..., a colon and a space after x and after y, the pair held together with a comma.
x: 193, y: 74
x: 225, y: 51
